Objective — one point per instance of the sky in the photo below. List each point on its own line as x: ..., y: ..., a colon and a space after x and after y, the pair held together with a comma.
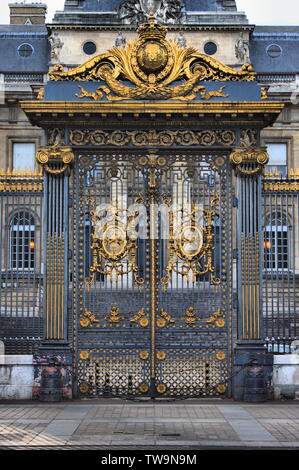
x: 266, y: 12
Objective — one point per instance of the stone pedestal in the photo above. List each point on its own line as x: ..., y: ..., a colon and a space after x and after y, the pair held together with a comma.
x: 16, y: 377
x: 286, y: 376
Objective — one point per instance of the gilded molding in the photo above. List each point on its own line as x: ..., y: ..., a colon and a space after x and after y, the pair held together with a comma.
x: 151, y: 64
x: 253, y: 157
x: 121, y: 138
x: 47, y: 156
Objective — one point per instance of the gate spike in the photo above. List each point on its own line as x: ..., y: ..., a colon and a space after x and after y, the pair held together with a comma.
x: 291, y: 173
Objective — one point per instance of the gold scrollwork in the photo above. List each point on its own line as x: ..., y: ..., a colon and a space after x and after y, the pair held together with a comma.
x: 87, y: 319
x: 114, y: 247
x: 140, y: 318
x: 152, y: 137
x: 191, y: 318
x: 151, y: 64
x: 191, y: 250
x: 165, y: 319
x: 55, y: 154
x: 256, y: 156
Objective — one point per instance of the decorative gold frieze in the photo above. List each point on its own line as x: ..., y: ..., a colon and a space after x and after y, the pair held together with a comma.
x: 20, y: 180
x: 275, y: 182
x: 249, y: 161
x: 151, y: 64
x: 53, y: 155
x: 121, y: 138
x: 264, y: 93
x: 191, y: 318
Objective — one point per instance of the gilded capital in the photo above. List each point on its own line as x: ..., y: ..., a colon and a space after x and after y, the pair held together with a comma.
x: 250, y: 160
x: 50, y: 155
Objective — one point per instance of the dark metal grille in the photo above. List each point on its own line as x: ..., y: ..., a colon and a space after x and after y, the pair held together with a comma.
x: 21, y: 309
x: 281, y: 269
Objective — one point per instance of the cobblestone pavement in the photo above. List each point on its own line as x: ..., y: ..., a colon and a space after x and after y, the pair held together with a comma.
x: 123, y: 424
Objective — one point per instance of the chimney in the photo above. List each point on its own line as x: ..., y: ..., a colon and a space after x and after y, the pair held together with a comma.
x: 27, y: 13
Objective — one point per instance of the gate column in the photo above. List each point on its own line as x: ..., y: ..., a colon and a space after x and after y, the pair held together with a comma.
x: 56, y: 161
x: 251, y: 358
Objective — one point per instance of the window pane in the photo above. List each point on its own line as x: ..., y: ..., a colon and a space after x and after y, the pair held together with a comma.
x: 277, y: 154
x: 23, y: 156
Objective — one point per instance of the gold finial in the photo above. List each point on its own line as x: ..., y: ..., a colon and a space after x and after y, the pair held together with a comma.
x: 276, y: 174
x: 151, y: 17
x: 291, y: 173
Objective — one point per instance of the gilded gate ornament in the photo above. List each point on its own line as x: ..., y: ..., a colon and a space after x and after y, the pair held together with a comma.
x: 190, y: 251
x: 256, y: 157
x: 152, y: 64
x: 55, y: 154
x: 114, y: 246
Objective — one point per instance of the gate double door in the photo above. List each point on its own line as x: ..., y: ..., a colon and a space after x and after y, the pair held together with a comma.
x: 152, y: 268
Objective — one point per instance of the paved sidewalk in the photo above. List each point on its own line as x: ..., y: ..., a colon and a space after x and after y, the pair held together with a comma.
x: 162, y: 425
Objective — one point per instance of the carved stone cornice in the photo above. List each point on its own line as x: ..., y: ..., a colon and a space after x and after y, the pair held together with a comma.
x: 55, y: 159
x: 249, y: 161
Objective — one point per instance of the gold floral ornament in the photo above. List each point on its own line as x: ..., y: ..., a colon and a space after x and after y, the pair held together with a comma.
x: 113, y: 315
x: 191, y: 316
x: 250, y: 160
x: 140, y: 318
x: 114, y: 244
x: 152, y: 64
x: 87, y: 319
x: 55, y: 154
x: 191, y: 246
x: 84, y: 355
x: 164, y: 320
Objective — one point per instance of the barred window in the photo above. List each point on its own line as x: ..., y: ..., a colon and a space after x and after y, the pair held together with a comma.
x: 23, y: 241
x: 276, y: 242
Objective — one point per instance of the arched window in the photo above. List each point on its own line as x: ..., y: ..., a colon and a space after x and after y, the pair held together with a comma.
x: 23, y: 241
x: 276, y: 242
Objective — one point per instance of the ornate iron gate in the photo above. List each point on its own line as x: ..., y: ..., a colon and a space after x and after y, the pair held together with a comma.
x: 153, y: 273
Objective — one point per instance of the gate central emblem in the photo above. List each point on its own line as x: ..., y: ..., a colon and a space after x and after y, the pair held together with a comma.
x: 152, y: 68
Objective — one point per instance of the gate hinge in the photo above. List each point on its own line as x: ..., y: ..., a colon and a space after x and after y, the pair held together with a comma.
x: 235, y: 253
x: 235, y: 202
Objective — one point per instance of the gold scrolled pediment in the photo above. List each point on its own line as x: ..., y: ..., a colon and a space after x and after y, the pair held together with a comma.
x: 157, y: 68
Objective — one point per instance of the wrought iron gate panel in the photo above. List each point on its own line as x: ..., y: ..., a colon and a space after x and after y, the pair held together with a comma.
x: 152, y: 306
